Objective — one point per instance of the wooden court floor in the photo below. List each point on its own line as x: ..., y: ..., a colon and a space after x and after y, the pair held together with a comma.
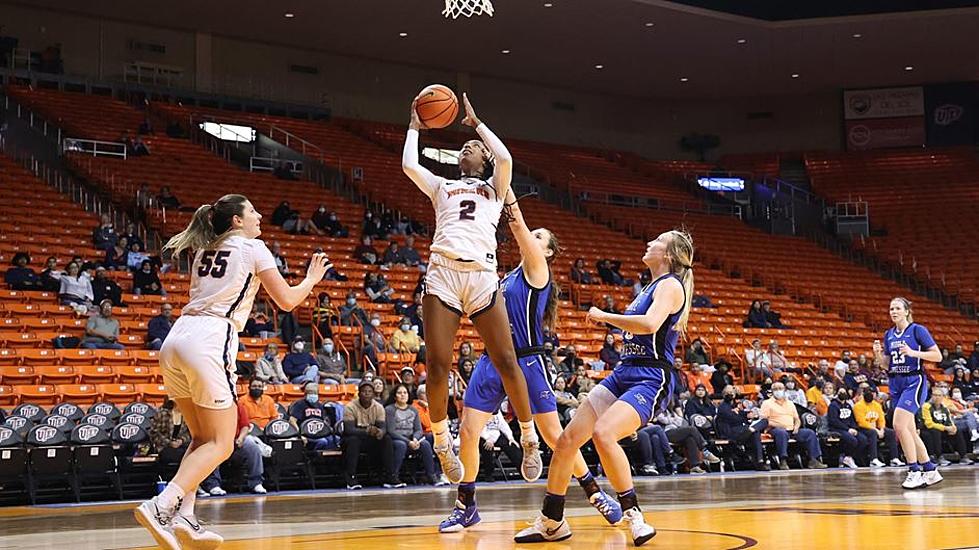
x: 830, y: 510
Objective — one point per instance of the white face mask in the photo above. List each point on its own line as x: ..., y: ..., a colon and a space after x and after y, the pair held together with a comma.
x: 328, y: 348
x: 404, y: 328
x: 375, y: 322
x: 298, y: 347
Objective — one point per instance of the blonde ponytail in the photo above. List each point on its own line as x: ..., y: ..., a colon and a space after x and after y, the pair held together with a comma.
x: 680, y: 252
x: 687, y: 279
x: 209, y: 224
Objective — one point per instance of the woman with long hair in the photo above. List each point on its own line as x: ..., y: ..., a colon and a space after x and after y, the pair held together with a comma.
x: 198, y: 357
x: 640, y: 388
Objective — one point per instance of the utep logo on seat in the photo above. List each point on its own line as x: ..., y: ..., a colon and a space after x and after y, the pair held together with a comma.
x: 134, y: 418
x: 87, y: 432
x: 28, y: 410
x: 45, y: 433
x: 96, y: 419
x: 103, y: 408
x: 139, y: 408
x: 65, y: 409
x: 315, y: 426
x: 280, y: 428
x: 56, y: 421
x: 16, y: 422
x: 6, y: 433
x: 127, y: 431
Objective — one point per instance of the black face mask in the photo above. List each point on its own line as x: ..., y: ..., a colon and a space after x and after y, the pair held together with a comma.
x: 728, y: 397
x: 842, y: 396
x: 868, y: 396
x: 255, y: 392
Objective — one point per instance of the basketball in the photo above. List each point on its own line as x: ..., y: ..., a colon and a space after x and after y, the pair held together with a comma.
x: 437, y: 106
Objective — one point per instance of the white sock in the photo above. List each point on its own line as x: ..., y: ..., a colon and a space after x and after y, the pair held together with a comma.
x: 167, y: 500
x: 187, y: 504
x: 440, y: 430
x: 527, y: 432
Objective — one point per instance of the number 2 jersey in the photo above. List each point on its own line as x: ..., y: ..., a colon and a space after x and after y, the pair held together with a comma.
x: 224, y: 280
x: 916, y: 337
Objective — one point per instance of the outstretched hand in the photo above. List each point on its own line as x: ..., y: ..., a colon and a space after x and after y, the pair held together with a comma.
x: 415, y: 123
x: 471, y: 118
x: 318, y: 266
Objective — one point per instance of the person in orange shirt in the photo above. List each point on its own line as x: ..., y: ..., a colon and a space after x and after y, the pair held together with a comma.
x: 871, y: 422
x: 421, y: 404
x: 260, y: 407
x: 698, y: 376
x: 783, y: 420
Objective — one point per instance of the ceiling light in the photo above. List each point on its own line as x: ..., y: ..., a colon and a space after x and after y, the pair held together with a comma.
x: 909, y: 68
x: 548, y: 5
x: 403, y: 34
x: 599, y: 67
x: 857, y: 35
x: 684, y: 79
x: 290, y: 15
x: 742, y: 41
x: 504, y: 52
x: 650, y: 24
x: 795, y: 75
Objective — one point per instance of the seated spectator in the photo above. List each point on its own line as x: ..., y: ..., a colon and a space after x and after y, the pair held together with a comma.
x: 702, y: 301
x: 170, y: 437
x: 299, y: 365
x: 842, y: 365
x: 581, y: 383
x: 50, y: 278
x: 311, y: 407
x: 377, y: 289
x: 75, y: 289
x: 700, y: 404
x: 374, y: 227
x: 104, y: 288
x: 773, y: 360
x: 939, y: 428
x: 139, y: 148
x: 281, y: 213
x: 295, y: 224
x: 404, y: 425
x: 374, y: 341
x: 958, y: 354
x: 260, y: 408
x: 465, y: 354
x: 393, y: 255
x: 104, y: 236
x: 644, y: 279
x: 609, y: 355
x: 102, y: 330
x: 742, y: 426
x: 680, y: 432
x: 352, y: 314
x: 973, y: 362
x: 409, y: 255
x: 248, y: 451
x: 962, y: 381
x: 280, y: 261
x: 408, y: 381
x: 608, y: 271
x: 365, y: 428
x: 963, y: 414
x: 366, y: 253
x: 466, y: 370
x: 159, y: 327
x: 696, y: 354
x: 579, y: 273
x: 117, y: 256
x: 321, y: 219
x: 268, y: 367
x: 571, y: 361
x: 421, y: 405
x: 258, y: 324
x: 853, y: 377
x: 497, y: 434
x: 843, y: 423
x: 331, y: 273
x: 697, y: 377
x: 135, y: 258
x: 550, y: 337
x: 783, y: 422
x: 325, y: 315
x: 567, y: 404
x: 756, y: 317
x: 21, y: 277
x: 146, y: 282
x: 334, y: 228
x: 331, y: 363
x: 404, y: 339
x: 753, y: 359
x: 773, y: 318
x: 167, y: 199
x: 793, y: 392
x: 869, y: 416
x: 654, y: 451
x: 721, y: 378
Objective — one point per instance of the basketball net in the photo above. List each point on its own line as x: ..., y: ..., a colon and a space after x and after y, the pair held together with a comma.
x: 467, y: 8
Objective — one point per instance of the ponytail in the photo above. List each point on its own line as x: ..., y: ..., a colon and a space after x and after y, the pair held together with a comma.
x: 550, y: 310
x: 680, y: 253
x: 687, y: 280
x: 209, y: 224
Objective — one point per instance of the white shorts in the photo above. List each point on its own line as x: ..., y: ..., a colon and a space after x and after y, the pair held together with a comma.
x: 462, y: 291
x: 198, y: 361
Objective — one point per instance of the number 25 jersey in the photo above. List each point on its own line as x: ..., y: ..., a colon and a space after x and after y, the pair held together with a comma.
x: 467, y: 212
x: 224, y: 280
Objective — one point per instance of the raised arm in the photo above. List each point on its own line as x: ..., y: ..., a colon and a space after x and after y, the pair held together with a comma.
x: 288, y: 297
x: 423, y: 178
x: 534, y: 261
x: 503, y: 162
x: 667, y: 299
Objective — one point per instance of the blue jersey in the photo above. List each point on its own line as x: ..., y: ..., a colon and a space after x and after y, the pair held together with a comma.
x: 525, y: 307
x: 916, y: 337
x: 651, y: 349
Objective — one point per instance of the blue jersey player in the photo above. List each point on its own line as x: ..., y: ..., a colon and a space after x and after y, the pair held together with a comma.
x: 531, y: 303
x: 905, y: 346
x: 636, y: 391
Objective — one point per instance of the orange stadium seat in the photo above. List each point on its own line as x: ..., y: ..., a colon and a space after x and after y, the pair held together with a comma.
x: 8, y: 397
x: 138, y: 374
x: 57, y: 374
x: 79, y: 394
x: 152, y: 393
x: 43, y: 395
x: 120, y: 393
x: 18, y: 375
x: 96, y: 374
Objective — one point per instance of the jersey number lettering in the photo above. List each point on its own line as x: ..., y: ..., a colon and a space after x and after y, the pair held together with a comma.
x: 468, y: 207
x: 214, y: 263
x: 897, y: 358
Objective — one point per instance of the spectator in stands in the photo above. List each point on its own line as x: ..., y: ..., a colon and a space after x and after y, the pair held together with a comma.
x: 793, y: 392
x: 366, y: 253
x: 331, y: 274
x: 104, y: 236
x: 169, y: 434
x: 498, y: 435
x: 938, y: 428
x: 76, y: 289
x: 404, y: 424
x: 260, y: 408
x: 581, y: 383
x: 843, y: 423
x: 50, y: 278
x: 753, y: 359
x: 644, y: 279
x: 135, y: 258
x: 393, y: 255
x: 947, y: 364
x: 268, y: 367
x: 680, y: 432
x: 104, y: 288
x: 963, y: 414
x: 365, y: 428
x: 821, y: 404
x: 117, y: 256
x: 973, y: 362
x: 571, y: 361
x: 551, y: 338
x: 332, y: 364
x: 374, y: 227
x: 281, y: 213
x: 147, y: 282
x: 280, y: 261
x: 465, y: 354
x: 579, y: 273
x: 958, y: 353
x: 756, y: 317
x: 404, y: 339
x: 721, y: 378
x: 167, y: 199
x: 696, y: 354
x: 334, y: 228
x: 311, y: 407
x: 608, y: 354
x: 783, y: 421
x: 325, y: 315
x: 295, y: 224
x: 608, y: 271
x: 409, y: 255
x: 823, y: 372
x: 299, y: 365
x: 159, y: 327
x: 102, y: 330
x: 21, y: 277
x: 258, y: 324
x: 249, y: 451
x: 702, y: 301
x: 700, y: 404
x: 853, y: 377
x: 567, y: 403
x: 742, y: 426
x: 377, y: 289
x: 869, y: 416
x: 320, y: 219
x: 697, y: 374
x: 352, y: 314
x: 139, y: 148
x: 773, y: 318
x: 842, y: 365
x: 773, y: 360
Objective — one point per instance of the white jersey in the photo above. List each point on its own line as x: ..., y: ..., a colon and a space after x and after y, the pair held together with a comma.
x: 224, y: 280
x: 467, y: 212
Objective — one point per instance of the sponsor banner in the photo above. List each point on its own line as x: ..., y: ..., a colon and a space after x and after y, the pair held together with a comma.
x: 883, y: 103
x: 950, y: 113
x: 885, y: 132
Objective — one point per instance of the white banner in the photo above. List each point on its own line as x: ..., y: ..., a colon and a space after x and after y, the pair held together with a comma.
x: 884, y: 103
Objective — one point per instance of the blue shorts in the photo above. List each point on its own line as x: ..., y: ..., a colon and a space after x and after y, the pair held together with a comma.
x: 908, y: 391
x: 485, y: 391
x: 648, y: 389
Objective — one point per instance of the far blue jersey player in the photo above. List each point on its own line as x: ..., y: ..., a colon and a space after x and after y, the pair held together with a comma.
x: 531, y: 303
x: 637, y: 390
x: 905, y: 346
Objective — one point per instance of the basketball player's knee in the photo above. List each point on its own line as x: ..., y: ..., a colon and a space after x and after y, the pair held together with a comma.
x: 470, y: 432
x: 604, y: 436
x: 549, y: 433
x: 568, y: 442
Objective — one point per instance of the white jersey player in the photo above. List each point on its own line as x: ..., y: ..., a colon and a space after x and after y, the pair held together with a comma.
x: 198, y: 356
x: 462, y: 279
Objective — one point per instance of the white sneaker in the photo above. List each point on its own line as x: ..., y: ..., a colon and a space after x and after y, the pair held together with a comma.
x: 531, y: 466
x: 876, y: 463
x: 218, y: 492
x: 545, y: 529
x: 913, y: 481
x: 201, y: 493
x: 452, y: 467
x: 975, y: 435
x: 641, y: 531
x: 711, y: 457
x: 259, y: 489
x: 158, y: 522
x: 193, y: 535
x: 897, y: 462
x: 848, y: 462
x: 932, y: 477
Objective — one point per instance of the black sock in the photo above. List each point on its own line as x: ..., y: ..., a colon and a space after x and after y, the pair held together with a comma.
x: 553, y: 506
x: 467, y: 493
x: 589, y: 484
x: 628, y: 500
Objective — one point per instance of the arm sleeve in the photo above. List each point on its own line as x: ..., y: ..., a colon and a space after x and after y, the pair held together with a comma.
x: 262, y: 257
x: 924, y: 337
x: 425, y: 180
x: 503, y: 168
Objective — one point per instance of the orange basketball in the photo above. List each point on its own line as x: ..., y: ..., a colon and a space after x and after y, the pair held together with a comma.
x: 437, y: 106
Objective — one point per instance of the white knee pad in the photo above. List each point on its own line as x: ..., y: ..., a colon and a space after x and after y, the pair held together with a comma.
x: 600, y: 399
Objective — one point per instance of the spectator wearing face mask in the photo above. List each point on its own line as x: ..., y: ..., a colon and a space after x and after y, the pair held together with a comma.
x: 793, y: 392
x: 963, y: 414
x: 742, y: 426
x: 680, y: 432
x: 248, y: 451
x: 696, y: 354
x: 268, y: 368
x: 783, y: 421
x: 570, y: 363
x: 374, y: 342
x: 939, y: 428
x: 843, y: 423
x: 300, y: 366
x: 720, y: 379
x: 700, y: 404
x: 352, y: 314
x: 260, y: 407
x: 332, y: 364
x: 869, y: 416
x: 608, y: 354
x: 581, y: 383
x: 405, y: 340
x: 311, y: 407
